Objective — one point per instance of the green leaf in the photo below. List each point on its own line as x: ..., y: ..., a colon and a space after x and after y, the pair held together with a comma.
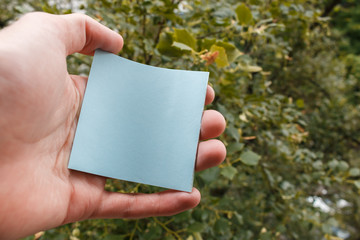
x: 231, y: 51
x: 183, y: 36
x: 265, y: 236
x: 300, y: 103
x: 234, y: 147
x: 210, y: 175
x: 182, y: 46
x: 113, y: 237
x: 229, y: 172
x: 269, y: 177
x: 233, y: 132
x: 250, y: 158
x: 197, y: 236
x: 354, y: 172
x: 244, y: 14
x: 200, y: 215
x: 207, y: 43
x: 165, y: 46
x: 333, y: 222
x: 251, y: 69
x: 317, y: 165
x: 222, y: 226
x: 226, y: 112
x: 333, y: 164
x: 153, y: 231
x: 196, y: 227
x: 343, y: 166
x: 169, y: 237
x: 221, y: 60
x: 239, y: 218
x: 181, y: 217
x: 357, y: 184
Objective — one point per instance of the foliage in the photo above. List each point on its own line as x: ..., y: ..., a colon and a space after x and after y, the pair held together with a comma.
x: 291, y: 100
x: 347, y: 20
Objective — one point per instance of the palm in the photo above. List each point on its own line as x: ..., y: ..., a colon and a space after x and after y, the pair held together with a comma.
x: 40, y: 102
x: 44, y: 126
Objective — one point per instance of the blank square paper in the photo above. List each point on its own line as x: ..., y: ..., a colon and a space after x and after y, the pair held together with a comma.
x: 140, y: 123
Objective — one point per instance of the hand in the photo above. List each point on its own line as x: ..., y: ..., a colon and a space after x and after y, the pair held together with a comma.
x: 39, y: 105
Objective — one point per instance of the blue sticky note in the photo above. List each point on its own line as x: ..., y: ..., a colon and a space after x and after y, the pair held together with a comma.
x: 140, y: 123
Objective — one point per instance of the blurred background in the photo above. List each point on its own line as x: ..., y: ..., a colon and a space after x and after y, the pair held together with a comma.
x: 286, y: 74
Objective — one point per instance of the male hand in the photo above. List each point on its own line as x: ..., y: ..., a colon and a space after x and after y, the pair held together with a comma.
x: 39, y: 108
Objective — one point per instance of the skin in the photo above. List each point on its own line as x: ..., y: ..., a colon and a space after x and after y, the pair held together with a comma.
x: 39, y: 108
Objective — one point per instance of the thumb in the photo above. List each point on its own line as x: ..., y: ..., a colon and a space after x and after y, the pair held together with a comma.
x: 84, y: 35
x: 69, y: 33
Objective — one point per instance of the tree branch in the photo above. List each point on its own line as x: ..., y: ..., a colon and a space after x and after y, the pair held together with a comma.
x: 324, y: 91
x: 156, y: 40
x: 330, y: 7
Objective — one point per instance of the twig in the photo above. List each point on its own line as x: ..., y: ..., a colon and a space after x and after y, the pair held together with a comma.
x: 330, y: 7
x: 156, y: 40
x: 134, y: 230
x: 144, y: 33
x: 210, y: 34
x: 167, y: 229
